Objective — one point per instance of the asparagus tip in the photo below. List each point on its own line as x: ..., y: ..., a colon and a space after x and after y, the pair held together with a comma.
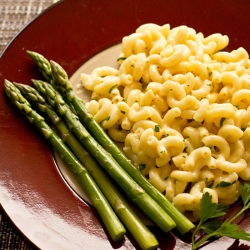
x: 31, y: 53
x: 7, y: 83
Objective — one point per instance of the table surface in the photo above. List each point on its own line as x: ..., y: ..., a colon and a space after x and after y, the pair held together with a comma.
x: 14, y: 15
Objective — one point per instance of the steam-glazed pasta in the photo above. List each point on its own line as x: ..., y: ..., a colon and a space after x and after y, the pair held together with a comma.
x: 181, y: 106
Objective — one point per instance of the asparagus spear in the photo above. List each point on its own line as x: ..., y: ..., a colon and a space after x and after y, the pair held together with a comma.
x: 142, y: 235
x: 112, y: 223
x: 133, y: 190
x: 43, y: 65
x: 61, y: 79
x: 45, y: 68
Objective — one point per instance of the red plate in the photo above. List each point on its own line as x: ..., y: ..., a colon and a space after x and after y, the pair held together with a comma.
x: 32, y: 191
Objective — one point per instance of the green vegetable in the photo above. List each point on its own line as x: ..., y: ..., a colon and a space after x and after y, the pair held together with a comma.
x: 133, y: 190
x: 142, y: 166
x: 222, y: 121
x: 112, y: 88
x: 43, y: 65
x: 61, y: 81
x: 210, y: 185
x: 224, y: 184
x: 112, y: 223
x: 215, y: 227
x: 45, y: 68
x: 121, y: 58
x: 60, y: 76
x: 143, y: 236
x: 157, y: 128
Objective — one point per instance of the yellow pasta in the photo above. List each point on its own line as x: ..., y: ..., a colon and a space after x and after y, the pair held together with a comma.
x: 180, y: 105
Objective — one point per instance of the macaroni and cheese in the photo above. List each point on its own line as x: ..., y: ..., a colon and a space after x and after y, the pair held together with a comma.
x: 180, y: 104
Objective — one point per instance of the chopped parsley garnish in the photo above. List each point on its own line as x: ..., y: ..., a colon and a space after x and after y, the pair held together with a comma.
x: 157, y: 128
x: 222, y: 120
x: 106, y: 119
x: 121, y: 58
x: 112, y: 88
x: 210, y: 185
x: 166, y: 135
x: 142, y: 166
x: 224, y: 184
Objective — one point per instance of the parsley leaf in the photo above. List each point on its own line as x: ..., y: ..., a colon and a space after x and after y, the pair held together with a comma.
x: 157, y: 128
x: 224, y: 184
x: 221, y: 210
x: 221, y: 121
x: 142, y: 166
x: 106, y: 119
x: 112, y: 88
x: 121, y: 58
x: 232, y: 231
x: 245, y: 194
x: 215, y: 227
x: 210, y: 185
x: 211, y: 226
x: 210, y: 210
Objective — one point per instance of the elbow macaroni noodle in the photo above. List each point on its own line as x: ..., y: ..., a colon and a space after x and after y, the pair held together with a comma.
x: 180, y: 104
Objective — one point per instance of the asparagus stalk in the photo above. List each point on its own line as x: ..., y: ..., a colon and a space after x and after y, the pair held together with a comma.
x: 133, y: 190
x: 45, y: 68
x: 43, y: 65
x: 61, y: 80
x: 142, y: 235
x: 112, y: 223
